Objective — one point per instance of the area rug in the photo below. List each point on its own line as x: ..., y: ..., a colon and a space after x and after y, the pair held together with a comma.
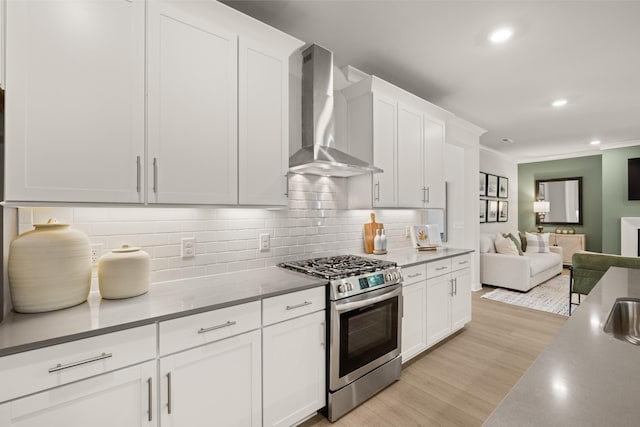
x: 551, y: 296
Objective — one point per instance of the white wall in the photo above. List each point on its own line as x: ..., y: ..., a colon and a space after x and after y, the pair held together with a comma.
x: 494, y: 163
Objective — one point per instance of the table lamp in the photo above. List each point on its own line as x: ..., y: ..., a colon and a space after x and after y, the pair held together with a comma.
x: 541, y: 207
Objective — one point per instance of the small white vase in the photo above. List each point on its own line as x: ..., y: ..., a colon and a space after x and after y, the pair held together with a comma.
x: 49, y: 268
x: 123, y: 273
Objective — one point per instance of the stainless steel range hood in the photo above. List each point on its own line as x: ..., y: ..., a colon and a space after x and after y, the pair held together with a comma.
x: 318, y: 156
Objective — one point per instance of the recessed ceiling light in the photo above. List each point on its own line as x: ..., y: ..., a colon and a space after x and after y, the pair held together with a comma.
x: 498, y: 36
x: 594, y: 142
x: 559, y: 102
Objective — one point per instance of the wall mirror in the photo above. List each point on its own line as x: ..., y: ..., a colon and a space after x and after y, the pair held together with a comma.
x: 564, y: 197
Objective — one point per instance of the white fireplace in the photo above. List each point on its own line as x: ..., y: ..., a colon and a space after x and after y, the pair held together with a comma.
x: 629, y: 234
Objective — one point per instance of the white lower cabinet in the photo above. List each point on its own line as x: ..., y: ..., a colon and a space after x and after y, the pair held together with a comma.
x: 216, y: 384
x: 120, y: 398
x: 293, y: 356
x: 448, y: 298
x: 414, y: 312
x: 436, y: 303
x: 294, y: 369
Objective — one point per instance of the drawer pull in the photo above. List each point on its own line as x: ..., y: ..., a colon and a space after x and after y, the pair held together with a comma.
x: 150, y: 399
x: 60, y: 367
x: 293, y: 307
x: 462, y: 262
x: 411, y: 276
x: 169, y: 393
x: 213, y: 328
x: 441, y: 268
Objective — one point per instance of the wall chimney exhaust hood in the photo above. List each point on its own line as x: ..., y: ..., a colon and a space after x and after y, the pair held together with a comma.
x: 318, y: 156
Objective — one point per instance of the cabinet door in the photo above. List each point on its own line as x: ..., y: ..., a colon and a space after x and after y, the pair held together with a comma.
x: 434, y: 162
x: 384, y: 151
x: 120, y: 398
x: 192, y: 78
x: 294, y: 369
x: 439, y: 291
x: 414, y: 319
x: 411, y: 190
x: 263, y: 144
x: 461, y: 299
x: 75, y: 75
x: 217, y: 384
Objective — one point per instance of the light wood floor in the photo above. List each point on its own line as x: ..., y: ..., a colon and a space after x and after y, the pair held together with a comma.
x: 461, y: 381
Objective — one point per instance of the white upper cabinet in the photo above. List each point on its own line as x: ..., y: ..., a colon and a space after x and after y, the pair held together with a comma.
x: 433, y: 163
x: 392, y: 129
x: 75, y: 101
x: 263, y: 140
x: 192, y: 78
x: 411, y: 192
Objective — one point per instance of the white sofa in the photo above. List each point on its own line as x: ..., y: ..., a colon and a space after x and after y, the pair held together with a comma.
x: 514, y: 271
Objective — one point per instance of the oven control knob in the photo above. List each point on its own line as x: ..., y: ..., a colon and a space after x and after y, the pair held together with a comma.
x: 341, y: 288
x: 399, y: 275
x: 388, y: 277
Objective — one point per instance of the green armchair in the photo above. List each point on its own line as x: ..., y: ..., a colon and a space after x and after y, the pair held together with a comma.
x: 588, y: 267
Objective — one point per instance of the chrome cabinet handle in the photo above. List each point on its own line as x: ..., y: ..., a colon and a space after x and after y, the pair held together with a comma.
x: 378, y: 191
x: 155, y: 175
x: 462, y: 262
x: 150, y: 401
x: 451, y: 283
x: 60, y: 367
x: 293, y: 307
x: 424, y: 194
x: 411, y: 276
x: 440, y: 268
x: 455, y: 286
x: 213, y: 328
x: 138, y: 169
x: 428, y: 197
x: 286, y: 183
x: 169, y: 393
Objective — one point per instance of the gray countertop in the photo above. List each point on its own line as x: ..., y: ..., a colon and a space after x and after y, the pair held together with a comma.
x: 21, y: 332
x: 585, y: 377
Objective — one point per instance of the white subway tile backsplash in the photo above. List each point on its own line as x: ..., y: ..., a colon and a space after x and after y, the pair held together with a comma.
x: 316, y: 223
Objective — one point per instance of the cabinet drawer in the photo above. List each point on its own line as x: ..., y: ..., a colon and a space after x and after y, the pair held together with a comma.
x: 192, y: 331
x: 60, y: 364
x: 414, y: 274
x: 460, y: 262
x: 288, y: 306
x: 438, y: 268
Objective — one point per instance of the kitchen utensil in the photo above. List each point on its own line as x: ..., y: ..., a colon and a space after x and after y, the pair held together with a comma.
x: 370, y: 233
x: 123, y: 273
x: 49, y: 268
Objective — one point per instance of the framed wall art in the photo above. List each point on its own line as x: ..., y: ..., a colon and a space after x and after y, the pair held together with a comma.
x: 483, y: 184
x: 503, y: 211
x: 492, y: 210
x: 503, y: 187
x: 483, y: 211
x: 492, y: 185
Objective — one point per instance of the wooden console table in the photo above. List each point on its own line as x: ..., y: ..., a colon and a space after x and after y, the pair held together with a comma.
x: 570, y: 244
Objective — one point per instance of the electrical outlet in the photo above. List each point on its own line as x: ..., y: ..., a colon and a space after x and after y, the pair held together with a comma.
x: 96, y: 250
x: 265, y: 242
x: 188, y: 247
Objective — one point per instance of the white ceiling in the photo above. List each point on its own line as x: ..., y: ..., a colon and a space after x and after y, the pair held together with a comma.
x: 585, y: 51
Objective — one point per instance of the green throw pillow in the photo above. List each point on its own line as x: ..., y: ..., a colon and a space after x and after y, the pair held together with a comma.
x: 523, y: 239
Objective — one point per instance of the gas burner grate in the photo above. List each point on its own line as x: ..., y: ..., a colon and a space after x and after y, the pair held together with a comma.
x: 337, y: 267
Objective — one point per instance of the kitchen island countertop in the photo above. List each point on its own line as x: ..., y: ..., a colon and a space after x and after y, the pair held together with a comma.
x: 585, y: 377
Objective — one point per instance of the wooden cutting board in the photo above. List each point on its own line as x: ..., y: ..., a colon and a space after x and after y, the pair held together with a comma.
x: 370, y: 233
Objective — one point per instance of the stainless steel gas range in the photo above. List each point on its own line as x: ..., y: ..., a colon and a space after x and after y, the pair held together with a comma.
x: 364, y: 326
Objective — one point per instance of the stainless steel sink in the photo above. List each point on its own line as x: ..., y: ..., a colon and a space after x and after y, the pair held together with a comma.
x: 624, y: 320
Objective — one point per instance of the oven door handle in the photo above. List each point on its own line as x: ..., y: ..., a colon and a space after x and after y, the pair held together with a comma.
x: 340, y: 308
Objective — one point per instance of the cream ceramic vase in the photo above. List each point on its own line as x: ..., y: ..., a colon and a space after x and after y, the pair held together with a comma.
x: 123, y: 273
x: 49, y: 268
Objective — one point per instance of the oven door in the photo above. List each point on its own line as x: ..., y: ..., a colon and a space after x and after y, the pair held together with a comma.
x: 365, y: 334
